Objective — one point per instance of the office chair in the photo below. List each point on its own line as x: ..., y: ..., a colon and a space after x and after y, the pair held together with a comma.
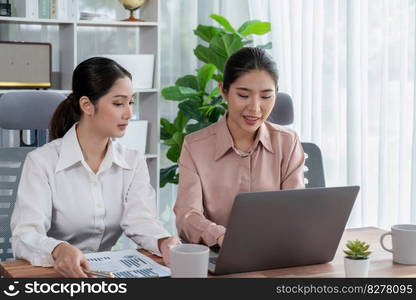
x: 21, y: 110
x: 29, y: 110
x: 282, y: 114
x: 11, y: 163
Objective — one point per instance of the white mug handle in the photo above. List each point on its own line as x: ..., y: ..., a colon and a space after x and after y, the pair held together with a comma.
x: 381, y: 241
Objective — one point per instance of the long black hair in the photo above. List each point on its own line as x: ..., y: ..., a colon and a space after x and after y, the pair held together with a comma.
x: 245, y: 60
x: 92, y: 78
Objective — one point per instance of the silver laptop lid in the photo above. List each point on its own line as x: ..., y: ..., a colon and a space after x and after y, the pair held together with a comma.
x: 276, y: 229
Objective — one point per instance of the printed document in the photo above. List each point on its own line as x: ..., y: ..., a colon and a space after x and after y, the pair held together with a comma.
x: 126, y: 264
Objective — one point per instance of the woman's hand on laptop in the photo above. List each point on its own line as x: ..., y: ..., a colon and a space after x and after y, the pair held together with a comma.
x: 164, y: 246
x: 220, y: 240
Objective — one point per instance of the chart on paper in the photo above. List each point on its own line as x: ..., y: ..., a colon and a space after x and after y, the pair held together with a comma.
x: 126, y: 264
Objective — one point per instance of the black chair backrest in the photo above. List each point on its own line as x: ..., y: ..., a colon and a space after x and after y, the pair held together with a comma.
x: 314, y: 167
x: 283, y: 114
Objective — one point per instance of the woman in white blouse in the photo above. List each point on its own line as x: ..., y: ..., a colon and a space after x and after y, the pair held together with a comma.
x: 79, y: 192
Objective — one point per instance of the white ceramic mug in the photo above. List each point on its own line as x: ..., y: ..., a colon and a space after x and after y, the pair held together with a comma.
x: 189, y: 260
x: 404, y: 243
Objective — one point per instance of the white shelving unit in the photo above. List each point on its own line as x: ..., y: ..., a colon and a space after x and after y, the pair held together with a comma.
x: 75, y: 40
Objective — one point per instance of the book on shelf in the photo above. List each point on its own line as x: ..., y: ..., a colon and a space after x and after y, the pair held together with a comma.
x: 55, y: 9
x: 44, y: 8
x: 25, y: 9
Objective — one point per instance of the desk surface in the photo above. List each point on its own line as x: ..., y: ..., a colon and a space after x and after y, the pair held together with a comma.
x: 381, y: 264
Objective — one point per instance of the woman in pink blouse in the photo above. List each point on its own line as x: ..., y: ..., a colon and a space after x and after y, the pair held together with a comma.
x: 242, y: 152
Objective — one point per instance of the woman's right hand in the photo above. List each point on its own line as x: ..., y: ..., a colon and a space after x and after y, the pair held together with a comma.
x: 69, y: 261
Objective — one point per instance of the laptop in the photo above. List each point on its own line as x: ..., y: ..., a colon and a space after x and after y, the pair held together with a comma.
x: 286, y: 228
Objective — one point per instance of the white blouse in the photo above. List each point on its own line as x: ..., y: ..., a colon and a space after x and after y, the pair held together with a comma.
x: 60, y: 199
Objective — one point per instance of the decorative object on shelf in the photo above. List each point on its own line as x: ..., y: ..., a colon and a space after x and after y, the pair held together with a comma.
x: 132, y: 5
x: 5, y: 8
x: 356, y: 261
x: 92, y: 16
x: 201, y: 104
x: 25, y: 65
x: 140, y: 66
x: 135, y: 136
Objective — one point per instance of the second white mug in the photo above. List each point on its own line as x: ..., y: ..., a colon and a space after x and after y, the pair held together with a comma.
x: 404, y: 243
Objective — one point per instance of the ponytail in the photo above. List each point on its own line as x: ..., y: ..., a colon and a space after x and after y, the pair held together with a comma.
x: 66, y: 114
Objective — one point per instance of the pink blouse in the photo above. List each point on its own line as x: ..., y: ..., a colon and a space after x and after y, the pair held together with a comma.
x: 212, y: 172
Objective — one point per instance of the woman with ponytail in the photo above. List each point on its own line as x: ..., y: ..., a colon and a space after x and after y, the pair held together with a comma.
x: 79, y: 192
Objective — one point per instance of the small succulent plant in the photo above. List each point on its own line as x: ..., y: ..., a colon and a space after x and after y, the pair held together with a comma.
x: 357, y: 250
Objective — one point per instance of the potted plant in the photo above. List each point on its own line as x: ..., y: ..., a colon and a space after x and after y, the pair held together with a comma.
x: 199, y: 101
x: 356, y: 261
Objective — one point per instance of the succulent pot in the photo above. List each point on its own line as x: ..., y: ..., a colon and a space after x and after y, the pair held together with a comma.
x: 356, y: 267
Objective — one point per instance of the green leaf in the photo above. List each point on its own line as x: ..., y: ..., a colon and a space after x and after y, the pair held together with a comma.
x: 168, y: 126
x: 191, y: 109
x: 357, y: 249
x: 207, y: 32
x: 167, y: 129
x: 206, y: 55
x: 206, y: 108
x: 195, y: 127
x: 224, y: 104
x: 170, y: 142
x: 178, y: 93
x: 178, y: 138
x: 209, y: 56
x: 214, y: 93
x: 224, y: 46
x: 173, y: 153
x: 205, y: 74
x: 223, y: 22
x: 215, y: 114
x: 175, y: 140
x: 167, y: 175
x: 189, y: 81
x: 180, y: 121
x: 218, y: 77
x: 254, y: 27
x: 266, y: 46
x: 164, y: 135
x: 227, y: 44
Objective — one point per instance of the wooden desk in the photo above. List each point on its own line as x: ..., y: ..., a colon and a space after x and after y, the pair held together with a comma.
x: 381, y: 264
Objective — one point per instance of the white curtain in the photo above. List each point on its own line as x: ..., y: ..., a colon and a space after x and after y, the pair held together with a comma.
x: 350, y: 68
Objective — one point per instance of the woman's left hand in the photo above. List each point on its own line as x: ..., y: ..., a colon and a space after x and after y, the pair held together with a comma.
x: 164, y: 246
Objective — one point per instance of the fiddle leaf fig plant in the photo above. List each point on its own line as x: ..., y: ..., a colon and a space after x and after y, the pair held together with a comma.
x: 200, y: 102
